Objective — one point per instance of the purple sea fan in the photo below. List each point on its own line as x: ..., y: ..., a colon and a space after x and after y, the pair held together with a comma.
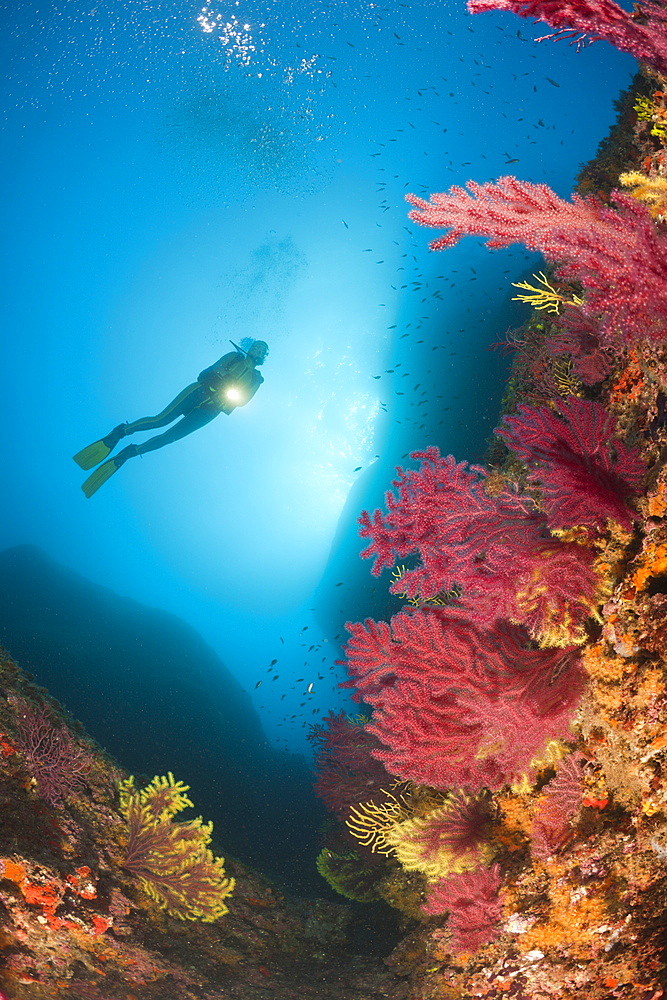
x: 586, y: 474
x: 464, y: 825
x: 578, y: 337
x: 551, y: 827
x: 347, y: 773
x: 457, y: 706
x: 58, y: 765
x: 471, y: 898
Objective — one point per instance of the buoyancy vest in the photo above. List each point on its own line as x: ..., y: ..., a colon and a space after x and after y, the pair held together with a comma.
x: 233, y: 370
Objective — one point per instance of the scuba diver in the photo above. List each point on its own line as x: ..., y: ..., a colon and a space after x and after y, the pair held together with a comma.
x: 230, y: 382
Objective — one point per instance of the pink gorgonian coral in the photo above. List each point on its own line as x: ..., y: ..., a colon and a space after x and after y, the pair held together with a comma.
x: 457, y: 706
x: 586, y: 473
x: 642, y: 32
x: 471, y: 899
x: 617, y: 254
x: 495, y: 548
x: 551, y: 827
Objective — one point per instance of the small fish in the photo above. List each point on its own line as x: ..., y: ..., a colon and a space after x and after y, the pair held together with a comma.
x: 257, y: 685
x: 552, y: 82
x: 310, y: 688
x: 273, y: 663
x: 345, y: 223
x: 357, y: 468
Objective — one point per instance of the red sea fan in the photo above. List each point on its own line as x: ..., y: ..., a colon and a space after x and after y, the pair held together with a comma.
x: 471, y: 899
x: 497, y: 549
x: 347, y: 772
x: 616, y: 254
x: 586, y: 474
x: 642, y: 32
x: 457, y: 706
x: 551, y: 828
x: 459, y: 828
x: 579, y: 338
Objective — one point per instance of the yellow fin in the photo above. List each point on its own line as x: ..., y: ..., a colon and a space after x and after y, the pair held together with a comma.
x: 92, y: 455
x: 99, y: 477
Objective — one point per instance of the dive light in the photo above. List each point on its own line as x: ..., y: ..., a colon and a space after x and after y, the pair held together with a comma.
x: 232, y: 394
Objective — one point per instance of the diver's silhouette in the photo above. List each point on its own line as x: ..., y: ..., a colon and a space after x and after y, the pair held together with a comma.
x: 230, y: 382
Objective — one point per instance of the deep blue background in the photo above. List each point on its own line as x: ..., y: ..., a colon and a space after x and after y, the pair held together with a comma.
x: 169, y: 183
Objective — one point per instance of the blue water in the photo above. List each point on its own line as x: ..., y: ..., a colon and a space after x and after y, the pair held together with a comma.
x: 175, y: 176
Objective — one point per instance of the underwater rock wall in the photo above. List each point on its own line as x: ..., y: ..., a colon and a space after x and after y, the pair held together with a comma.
x: 503, y: 786
x: 108, y: 894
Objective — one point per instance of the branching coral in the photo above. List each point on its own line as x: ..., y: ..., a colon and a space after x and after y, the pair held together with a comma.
x: 586, y: 473
x: 345, y: 768
x: 561, y: 799
x: 458, y: 706
x: 546, y: 297
x: 171, y: 859
x: 578, y: 336
x: 497, y: 549
x: 615, y: 253
x: 58, y: 765
x: 370, y: 822
x: 471, y: 899
x: 653, y: 112
x: 642, y: 32
x: 651, y: 190
x: 446, y: 840
x: 348, y: 875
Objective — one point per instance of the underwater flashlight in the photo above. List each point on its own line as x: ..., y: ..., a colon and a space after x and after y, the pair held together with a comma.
x: 233, y: 394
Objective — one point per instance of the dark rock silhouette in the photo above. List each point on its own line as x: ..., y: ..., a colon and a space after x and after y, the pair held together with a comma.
x: 152, y: 693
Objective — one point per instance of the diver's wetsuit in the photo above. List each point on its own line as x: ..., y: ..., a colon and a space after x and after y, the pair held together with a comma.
x: 200, y: 402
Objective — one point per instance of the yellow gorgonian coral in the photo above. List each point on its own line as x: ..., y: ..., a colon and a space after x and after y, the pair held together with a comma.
x: 545, y: 297
x: 171, y: 859
x: 565, y: 379
x: 654, y: 112
x: 370, y: 823
x: 439, y: 842
x: 431, y: 844
x: 651, y: 190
